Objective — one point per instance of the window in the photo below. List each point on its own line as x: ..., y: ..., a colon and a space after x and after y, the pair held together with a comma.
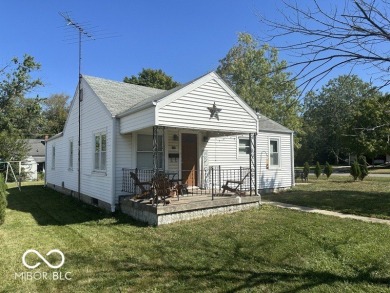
x: 145, y: 151
x: 53, y: 157
x: 71, y: 155
x: 274, y: 152
x: 244, y: 146
x: 100, y: 151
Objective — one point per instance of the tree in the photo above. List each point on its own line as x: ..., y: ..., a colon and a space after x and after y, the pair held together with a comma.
x: 355, y: 170
x: 17, y: 112
x: 55, y: 112
x: 328, y: 170
x: 154, y: 78
x: 256, y: 75
x: 329, y: 37
x: 3, y: 201
x: 329, y: 114
x: 369, y: 132
x: 306, y: 170
x: 363, y: 167
x: 317, y: 170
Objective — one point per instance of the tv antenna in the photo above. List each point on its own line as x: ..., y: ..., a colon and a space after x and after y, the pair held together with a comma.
x: 81, y: 33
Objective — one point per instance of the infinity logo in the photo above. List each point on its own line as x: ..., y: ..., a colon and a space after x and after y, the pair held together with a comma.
x: 42, y: 258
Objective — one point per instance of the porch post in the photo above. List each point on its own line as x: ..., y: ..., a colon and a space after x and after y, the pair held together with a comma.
x: 157, y: 148
x: 253, y: 163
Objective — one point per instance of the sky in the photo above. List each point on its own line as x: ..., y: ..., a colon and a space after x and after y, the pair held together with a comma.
x: 185, y: 39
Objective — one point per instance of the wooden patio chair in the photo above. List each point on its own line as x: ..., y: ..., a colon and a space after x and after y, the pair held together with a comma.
x: 163, y: 188
x: 145, y: 186
x: 234, y: 185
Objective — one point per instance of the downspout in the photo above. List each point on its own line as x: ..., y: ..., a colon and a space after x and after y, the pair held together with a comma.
x: 46, y: 139
x: 113, y: 164
x: 292, y: 160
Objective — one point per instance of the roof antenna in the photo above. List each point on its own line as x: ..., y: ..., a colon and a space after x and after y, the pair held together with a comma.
x: 81, y: 33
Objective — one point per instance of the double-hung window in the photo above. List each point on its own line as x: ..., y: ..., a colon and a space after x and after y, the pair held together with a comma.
x: 53, y: 157
x: 100, y: 151
x: 244, y: 146
x: 71, y: 155
x: 145, y: 151
x: 274, y: 153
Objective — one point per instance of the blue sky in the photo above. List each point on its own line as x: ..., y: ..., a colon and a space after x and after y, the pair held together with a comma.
x: 183, y: 38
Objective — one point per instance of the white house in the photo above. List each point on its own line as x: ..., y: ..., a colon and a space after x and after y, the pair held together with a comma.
x: 195, y: 126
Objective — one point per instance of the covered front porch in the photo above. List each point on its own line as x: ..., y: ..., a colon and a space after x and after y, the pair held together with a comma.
x: 200, y: 137
x: 182, y: 155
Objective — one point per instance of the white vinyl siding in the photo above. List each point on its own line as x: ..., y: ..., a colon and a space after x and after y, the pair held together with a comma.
x: 95, y: 119
x: 137, y: 121
x: 222, y: 151
x: 191, y: 111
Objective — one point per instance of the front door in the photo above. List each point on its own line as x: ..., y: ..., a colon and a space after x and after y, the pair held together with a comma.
x: 189, y: 158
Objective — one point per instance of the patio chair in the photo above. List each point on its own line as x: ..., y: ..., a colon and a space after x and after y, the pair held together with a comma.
x: 234, y: 185
x: 163, y: 188
x: 145, y: 186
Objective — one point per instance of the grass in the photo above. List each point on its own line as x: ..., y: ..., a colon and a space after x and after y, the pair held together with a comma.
x: 261, y: 250
x: 370, y: 197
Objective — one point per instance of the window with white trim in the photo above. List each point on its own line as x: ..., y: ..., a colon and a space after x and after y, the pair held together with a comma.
x: 53, y: 157
x: 145, y: 151
x: 274, y: 157
x: 71, y: 155
x: 100, y: 151
x: 244, y: 146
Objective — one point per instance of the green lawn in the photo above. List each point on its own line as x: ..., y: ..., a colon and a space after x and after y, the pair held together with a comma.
x: 261, y: 250
x: 370, y: 197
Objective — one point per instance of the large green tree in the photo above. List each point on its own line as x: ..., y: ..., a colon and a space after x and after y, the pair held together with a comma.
x: 369, y: 132
x: 256, y: 75
x: 17, y: 114
x: 154, y: 78
x: 330, y: 115
x: 55, y: 111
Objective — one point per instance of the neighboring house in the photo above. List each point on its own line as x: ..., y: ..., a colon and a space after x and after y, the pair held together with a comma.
x: 197, y: 125
x: 35, y: 159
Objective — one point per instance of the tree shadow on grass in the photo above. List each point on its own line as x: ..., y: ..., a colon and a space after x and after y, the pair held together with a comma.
x: 49, y: 207
x: 131, y: 273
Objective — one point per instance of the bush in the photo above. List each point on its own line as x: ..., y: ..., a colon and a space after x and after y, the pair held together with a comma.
x: 317, y: 170
x: 3, y: 201
x: 328, y: 170
x: 355, y: 170
x: 306, y: 170
x: 363, y: 167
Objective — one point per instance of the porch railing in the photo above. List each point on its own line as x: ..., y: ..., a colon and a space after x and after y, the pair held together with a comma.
x: 214, y: 180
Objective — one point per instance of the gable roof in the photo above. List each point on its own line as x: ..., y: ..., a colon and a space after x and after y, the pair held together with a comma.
x: 122, y: 98
x: 37, y: 150
x: 119, y: 96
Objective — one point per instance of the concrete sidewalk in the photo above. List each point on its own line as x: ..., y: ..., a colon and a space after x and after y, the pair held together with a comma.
x: 325, y: 212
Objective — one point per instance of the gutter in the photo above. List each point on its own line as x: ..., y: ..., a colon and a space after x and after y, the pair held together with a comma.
x: 113, y: 164
x: 292, y: 160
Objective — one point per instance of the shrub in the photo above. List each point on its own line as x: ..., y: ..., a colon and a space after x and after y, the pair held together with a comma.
x: 317, y: 170
x: 328, y: 170
x: 306, y: 170
x: 363, y: 167
x: 3, y: 201
x: 355, y: 170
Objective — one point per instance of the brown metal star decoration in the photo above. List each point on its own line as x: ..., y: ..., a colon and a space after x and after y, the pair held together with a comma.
x: 214, y: 111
